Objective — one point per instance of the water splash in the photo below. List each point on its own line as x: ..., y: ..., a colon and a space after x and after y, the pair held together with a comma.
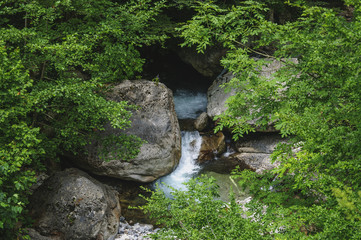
x: 187, y: 168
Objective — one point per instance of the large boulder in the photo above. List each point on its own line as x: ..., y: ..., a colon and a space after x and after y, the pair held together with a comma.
x: 257, y: 162
x: 217, y: 96
x: 155, y: 122
x: 258, y: 143
x: 207, y: 63
x: 73, y: 205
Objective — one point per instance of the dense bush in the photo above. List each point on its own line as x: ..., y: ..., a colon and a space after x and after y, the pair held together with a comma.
x: 197, y: 214
x: 57, y: 59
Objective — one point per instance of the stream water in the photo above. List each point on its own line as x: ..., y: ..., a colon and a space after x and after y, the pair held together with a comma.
x: 189, y: 105
x: 187, y: 167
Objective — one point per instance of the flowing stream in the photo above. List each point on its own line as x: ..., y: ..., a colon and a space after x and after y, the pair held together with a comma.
x: 187, y: 167
x: 187, y: 105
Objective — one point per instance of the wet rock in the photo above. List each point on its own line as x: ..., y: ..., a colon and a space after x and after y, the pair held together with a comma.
x: 221, y: 165
x: 252, y: 152
x: 186, y: 124
x: 155, y: 122
x: 212, y: 145
x: 73, y: 205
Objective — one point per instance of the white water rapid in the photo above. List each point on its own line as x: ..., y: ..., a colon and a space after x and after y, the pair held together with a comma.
x: 187, y: 105
x: 187, y: 167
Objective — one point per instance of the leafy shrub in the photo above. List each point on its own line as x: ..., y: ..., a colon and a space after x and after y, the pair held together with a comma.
x: 197, y: 214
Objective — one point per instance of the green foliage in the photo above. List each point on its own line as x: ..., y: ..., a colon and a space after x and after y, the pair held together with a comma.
x: 213, y: 23
x: 197, y: 214
x: 314, y: 101
x: 302, y: 213
x: 19, y: 143
x: 57, y: 61
x: 58, y: 58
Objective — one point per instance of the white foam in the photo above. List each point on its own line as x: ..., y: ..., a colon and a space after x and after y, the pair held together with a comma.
x: 187, y: 168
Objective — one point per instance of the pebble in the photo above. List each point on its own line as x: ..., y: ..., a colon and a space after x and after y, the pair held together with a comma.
x: 134, y: 232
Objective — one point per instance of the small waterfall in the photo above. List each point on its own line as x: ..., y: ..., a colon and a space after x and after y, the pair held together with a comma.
x: 187, y: 168
x: 188, y: 105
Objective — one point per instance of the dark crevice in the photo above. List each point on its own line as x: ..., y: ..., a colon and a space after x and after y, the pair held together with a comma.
x: 172, y: 71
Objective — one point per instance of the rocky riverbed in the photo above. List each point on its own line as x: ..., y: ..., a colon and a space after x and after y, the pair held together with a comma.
x: 127, y: 231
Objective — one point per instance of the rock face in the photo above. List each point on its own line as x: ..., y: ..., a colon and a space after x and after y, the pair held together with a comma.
x: 207, y: 64
x: 73, y: 205
x: 201, y: 122
x: 254, y: 152
x: 212, y: 146
x: 217, y: 97
x: 155, y: 122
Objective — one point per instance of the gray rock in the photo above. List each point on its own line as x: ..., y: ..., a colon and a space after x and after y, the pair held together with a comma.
x: 217, y: 97
x: 155, y: 122
x: 73, y: 205
x: 257, y: 162
x: 255, y: 151
x: 201, y: 122
x: 259, y: 143
x: 137, y: 231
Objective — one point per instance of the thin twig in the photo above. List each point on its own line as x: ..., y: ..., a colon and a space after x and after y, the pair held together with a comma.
x: 43, y: 71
